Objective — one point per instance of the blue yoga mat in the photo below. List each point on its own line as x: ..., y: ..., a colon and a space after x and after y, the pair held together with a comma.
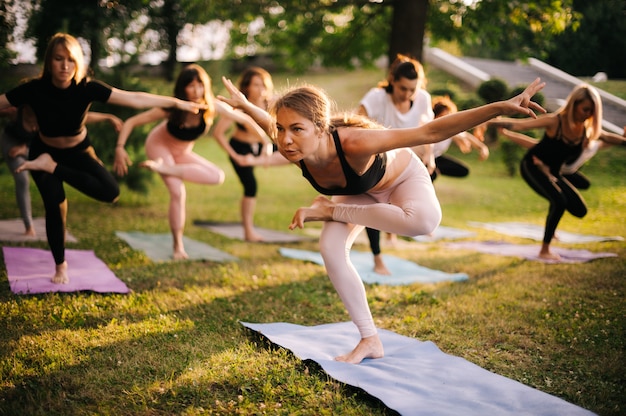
x: 403, y: 272
x: 415, y: 377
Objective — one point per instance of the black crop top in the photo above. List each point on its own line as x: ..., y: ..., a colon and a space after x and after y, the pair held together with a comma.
x: 355, y: 184
x: 59, y: 112
x: 187, y: 134
x: 555, y: 151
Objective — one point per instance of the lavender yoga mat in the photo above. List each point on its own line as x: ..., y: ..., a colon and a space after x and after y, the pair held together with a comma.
x: 415, y: 377
x: 535, y: 232
x: 235, y: 230
x: 528, y: 251
x: 13, y: 230
x: 29, y: 271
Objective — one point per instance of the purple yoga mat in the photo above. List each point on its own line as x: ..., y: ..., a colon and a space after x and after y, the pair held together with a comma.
x: 529, y: 251
x: 29, y: 271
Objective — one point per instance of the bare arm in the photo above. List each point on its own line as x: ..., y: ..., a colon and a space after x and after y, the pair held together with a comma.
x: 238, y: 100
x: 474, y: 142
x: 135, y: 99
x: 363, y: 141
x: 219, y: 132
x: 94, y: 117
x: 4, y: 102
x: 242, y: 118
x: 612, y: 138
x: 518, y: 138
x: 122, y: 161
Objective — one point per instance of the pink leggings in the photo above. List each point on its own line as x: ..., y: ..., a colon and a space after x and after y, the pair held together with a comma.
x: 408, y: 207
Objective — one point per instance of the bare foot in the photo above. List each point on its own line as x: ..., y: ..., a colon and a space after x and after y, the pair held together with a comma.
x: 153, y: 165
x: 43, y: 162
x: 320, y: 210
x: 549, y: 256
x: 30, y: 232
x: 60, y: 274
x: 379, y: 265
x: 369, y: 347
x: 253, y: 237
x: 180, y: 255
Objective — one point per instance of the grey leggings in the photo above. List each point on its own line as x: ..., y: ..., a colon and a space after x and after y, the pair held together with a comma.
x: 22, y: 179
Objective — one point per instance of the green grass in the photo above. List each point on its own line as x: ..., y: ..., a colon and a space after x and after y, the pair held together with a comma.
x: 175, y: 346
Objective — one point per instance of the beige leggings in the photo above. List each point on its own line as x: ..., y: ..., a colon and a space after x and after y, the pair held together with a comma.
x: 408, y: 207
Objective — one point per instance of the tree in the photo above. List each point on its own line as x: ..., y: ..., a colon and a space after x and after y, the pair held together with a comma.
x: 505, y: 29
x: 328, y: 33
x: 598, y: 44
x: 7, y: 22
x: 93, y: 20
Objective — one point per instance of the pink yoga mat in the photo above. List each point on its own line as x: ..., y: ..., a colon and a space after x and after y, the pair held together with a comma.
x: 29, y: 271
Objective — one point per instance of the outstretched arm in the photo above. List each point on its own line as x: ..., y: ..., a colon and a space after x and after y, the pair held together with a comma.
x: 136, y: 99
x: 363, y: 141
x: 519, y: 138
x: 242, y: 118
x: 612, y: 138
x: 238, y: 100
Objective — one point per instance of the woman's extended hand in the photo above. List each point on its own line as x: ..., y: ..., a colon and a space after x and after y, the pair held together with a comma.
x: 523, y: 104
x: 237, y: 98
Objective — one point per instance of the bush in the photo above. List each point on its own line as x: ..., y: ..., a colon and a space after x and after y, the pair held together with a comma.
x: 493, y: 90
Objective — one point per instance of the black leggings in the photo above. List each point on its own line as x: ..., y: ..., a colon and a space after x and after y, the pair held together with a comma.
x: 579, y: 180
x: 245, y: 173
x: 561, y: 194
x: 80, y: 168
x: 449, y: 166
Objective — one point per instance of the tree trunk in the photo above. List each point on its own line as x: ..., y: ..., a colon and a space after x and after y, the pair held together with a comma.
x: 408, y: 28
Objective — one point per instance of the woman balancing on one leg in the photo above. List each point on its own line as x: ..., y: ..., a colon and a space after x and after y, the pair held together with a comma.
x: 61, y: 151
x: 169, y: 146
x: 246, y: 148
x: 375, y: 180
x: 568, y: 132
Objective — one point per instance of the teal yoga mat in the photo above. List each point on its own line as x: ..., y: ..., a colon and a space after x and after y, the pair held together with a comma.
x: 158, y: 247
x: 403, y: 272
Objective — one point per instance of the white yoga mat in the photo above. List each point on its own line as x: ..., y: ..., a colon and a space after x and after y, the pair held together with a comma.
x: 528, y: 251
x: 535, y: 232
x: 235, y: 230
x: 415, y: 377
x: 158, y: 247
x: 403, y: 272
x: 13, y: 230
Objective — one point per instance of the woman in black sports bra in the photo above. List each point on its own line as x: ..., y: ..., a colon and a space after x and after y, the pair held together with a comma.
x: 567, y: 132
x: 169, y: 146
x: 375, y: 180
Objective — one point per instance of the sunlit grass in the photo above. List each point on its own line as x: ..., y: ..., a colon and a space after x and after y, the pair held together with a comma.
x: 175, y: 345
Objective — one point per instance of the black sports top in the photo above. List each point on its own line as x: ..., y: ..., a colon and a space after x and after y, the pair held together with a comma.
x: 554, y: 151
x: 59, y: 112
x: 355, y: 184
x: 187, y: 134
